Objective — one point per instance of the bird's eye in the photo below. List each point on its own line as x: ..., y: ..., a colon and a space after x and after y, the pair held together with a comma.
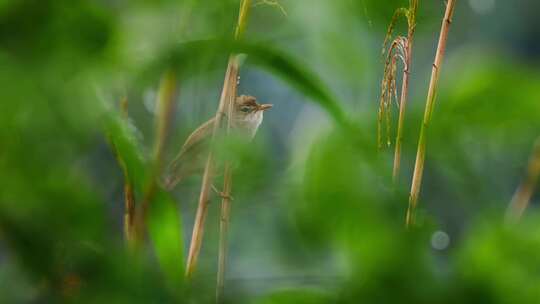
x: 244, y: 109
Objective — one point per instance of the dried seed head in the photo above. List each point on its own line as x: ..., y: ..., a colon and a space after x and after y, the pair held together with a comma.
x: 397, y: 52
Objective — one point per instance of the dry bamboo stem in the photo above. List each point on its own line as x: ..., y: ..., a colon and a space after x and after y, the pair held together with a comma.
x: 520, y: 200
x: 227, y: 184
x: 226, y: 201
x: 420, y: 154
x: 223, y: 232
x: 227, y: 179
x: 202, y: 210
x: 229, y: 87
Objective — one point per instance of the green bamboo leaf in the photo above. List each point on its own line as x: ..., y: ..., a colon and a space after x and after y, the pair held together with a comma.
x: 165, y: 230
x: 189, y: 57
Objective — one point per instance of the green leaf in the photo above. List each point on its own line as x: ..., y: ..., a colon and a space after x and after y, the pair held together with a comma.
x: 165, y: 230
x: 185, y: 57
x: 164, y: 224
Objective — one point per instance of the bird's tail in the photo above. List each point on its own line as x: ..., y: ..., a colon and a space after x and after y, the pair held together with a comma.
x: 171, y: 178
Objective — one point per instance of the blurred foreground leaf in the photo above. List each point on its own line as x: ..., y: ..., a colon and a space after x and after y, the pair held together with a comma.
x: 164, y: 223
x: 187, y: 56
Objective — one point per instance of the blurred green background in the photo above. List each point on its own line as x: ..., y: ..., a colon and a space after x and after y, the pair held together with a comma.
x: 315, y: 216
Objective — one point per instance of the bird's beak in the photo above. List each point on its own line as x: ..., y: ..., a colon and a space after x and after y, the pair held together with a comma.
x: 265, y: 106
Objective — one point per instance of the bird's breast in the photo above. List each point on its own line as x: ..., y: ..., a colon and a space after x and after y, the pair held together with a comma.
x: 250, y: 123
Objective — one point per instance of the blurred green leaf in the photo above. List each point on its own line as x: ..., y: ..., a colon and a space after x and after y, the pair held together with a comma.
x: 501, y: 262
x: 297, y: 75
x: 165, y: 230
x: 164, y: 224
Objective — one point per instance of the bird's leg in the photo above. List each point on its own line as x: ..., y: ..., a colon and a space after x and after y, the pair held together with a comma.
x: 221, y: 193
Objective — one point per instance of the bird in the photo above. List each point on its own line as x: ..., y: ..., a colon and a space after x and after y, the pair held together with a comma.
x: 246, y: 118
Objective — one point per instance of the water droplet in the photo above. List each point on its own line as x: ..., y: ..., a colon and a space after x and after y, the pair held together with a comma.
x: 440, y: 240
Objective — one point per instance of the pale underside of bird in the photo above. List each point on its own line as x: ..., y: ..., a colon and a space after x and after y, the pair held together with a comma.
x: 247, y: 117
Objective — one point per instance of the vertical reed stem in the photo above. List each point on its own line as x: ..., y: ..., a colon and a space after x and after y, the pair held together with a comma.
x: 225, y: 205
x: 401, y: 119
x: 520, y: 200
x: 202, y: 210
x: 229, y: 87
x: 225, y: 219
x: 420, y: 154
x: 411, y: 21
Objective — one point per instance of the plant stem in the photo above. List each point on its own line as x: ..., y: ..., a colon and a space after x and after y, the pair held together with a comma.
x: 229, y: 87
x: 225, y: 202
x: 411, y: 19
x: 129, y: 194
x: 401, y: 119
x: 227, y: 179
x: 129, y: 213
x: 520, y: 200
x: 225, y: 216
x: 223, y: 232
x: 420, y: 154
x: 165, y: 109
x: 202, y: 210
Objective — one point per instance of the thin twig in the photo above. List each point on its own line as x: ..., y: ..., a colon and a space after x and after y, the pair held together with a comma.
x: 522, y: 197
x: 420, y: 155
x: 229, y: 85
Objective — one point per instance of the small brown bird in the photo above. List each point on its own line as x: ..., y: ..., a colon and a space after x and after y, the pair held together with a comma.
x: 247, y: 117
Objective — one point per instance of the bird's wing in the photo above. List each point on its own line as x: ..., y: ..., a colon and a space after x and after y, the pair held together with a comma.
x: 200, y: 137
x: 191, y: 155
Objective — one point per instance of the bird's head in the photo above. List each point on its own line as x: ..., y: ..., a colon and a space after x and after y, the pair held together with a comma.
x: 247, y: 106
x: 248, y: 114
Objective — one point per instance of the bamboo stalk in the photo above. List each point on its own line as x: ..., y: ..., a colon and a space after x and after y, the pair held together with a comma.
x: 411, y: 19
x: 202, y: 210
x: 225, y: 205
x: 225, y: 216
x: 420, y: 154
x: 522, y: 196
x: 229, y: 87
x: 223, y: 232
